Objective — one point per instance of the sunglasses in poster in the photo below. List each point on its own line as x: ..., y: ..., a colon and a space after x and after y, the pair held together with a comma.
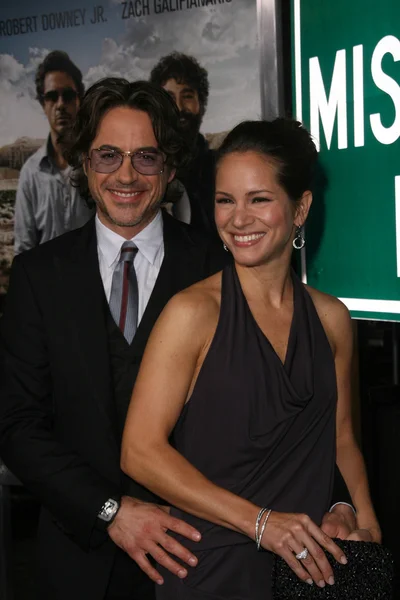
x: 67, y: 94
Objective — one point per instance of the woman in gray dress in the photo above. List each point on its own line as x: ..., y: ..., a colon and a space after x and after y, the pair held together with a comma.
x: 243, y: 400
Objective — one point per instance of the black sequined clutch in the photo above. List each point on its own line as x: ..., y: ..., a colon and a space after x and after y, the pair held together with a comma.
x: 368, y: 575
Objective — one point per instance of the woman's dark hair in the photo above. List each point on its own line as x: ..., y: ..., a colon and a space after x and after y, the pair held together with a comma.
x: 57, y: 61
x: 286, y: 142
x: 114, y: 92
x: 184, y: 69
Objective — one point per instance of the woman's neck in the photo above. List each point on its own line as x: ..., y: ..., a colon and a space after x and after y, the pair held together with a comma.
x: 271, y: 283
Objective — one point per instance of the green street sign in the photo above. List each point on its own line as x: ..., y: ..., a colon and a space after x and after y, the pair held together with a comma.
x: 346, y: 84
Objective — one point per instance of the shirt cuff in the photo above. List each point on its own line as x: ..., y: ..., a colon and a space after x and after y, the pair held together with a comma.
x: 346, y: 504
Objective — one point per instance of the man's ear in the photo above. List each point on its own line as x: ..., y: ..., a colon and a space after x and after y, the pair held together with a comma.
x: 303, y: 208
x: 171, y: 175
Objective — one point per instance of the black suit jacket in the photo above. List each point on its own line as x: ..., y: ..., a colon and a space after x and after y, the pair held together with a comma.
x: 58, y: 427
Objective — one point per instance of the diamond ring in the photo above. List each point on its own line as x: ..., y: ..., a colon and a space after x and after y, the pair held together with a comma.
x: 302, y: 555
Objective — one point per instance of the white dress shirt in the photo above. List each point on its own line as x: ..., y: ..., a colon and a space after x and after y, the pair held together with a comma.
x: 147, y: 263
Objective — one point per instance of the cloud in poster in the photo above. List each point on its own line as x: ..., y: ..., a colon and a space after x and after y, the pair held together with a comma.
x: 223, y: 38
x: 20, y: 113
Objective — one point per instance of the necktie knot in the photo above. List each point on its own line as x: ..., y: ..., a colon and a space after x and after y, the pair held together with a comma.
x: 128, y: 252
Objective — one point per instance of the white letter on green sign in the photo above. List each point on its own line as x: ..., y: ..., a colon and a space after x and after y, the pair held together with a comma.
x: 328, y: 109
x: 387, y: 45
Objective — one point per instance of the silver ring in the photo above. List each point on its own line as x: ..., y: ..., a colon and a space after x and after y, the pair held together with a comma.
x: 302, y: 555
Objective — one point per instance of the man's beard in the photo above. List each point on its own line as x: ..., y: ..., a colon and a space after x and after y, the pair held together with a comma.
x: 190, y: 125
x: 149, y: 210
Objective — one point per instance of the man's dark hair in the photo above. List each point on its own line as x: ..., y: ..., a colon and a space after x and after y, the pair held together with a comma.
x: 114, y: 92
x: 57, y: 61
x: 184, y: 69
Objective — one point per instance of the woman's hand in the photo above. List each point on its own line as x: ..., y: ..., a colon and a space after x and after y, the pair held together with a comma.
x: 339, y: 522
x: 288, y: 534
x: 366, y: 520
x: 360, y: 535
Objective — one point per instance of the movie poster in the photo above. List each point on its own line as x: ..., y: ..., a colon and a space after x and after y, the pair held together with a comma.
x: 124, y: 39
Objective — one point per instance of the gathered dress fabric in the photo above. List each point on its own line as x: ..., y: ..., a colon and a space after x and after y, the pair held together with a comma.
x: 263, y: 429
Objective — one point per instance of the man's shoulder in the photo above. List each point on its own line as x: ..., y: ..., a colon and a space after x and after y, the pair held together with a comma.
x: 205, y: 150
x: 57, y: 247
x: 32, y: 163
x: 196, y: 244
x: 178, y: 233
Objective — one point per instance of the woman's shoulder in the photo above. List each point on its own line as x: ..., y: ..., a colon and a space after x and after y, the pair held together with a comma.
x: 198, y: 303
x: 334, y: 315
x: 330, y: 306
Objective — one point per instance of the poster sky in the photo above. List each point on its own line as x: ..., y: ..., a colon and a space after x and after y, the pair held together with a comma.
x: 111, y: 39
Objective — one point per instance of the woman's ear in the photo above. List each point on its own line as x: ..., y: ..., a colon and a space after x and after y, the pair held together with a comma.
x: 302, y: 209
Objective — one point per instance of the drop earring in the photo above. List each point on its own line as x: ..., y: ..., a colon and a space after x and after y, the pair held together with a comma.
x: 299, y: 241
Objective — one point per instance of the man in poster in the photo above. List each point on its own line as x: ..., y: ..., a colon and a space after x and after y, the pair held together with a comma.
x: 46, y: 204
x: 192, y: 194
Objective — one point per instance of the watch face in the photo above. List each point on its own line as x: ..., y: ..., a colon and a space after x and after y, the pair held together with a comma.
x: 109, y: 506
x: 109, y: 509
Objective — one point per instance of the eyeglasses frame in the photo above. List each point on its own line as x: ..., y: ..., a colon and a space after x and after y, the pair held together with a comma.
x: 130, y: 153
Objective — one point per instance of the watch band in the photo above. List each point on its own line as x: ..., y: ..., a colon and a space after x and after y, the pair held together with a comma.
x: 108, y: 512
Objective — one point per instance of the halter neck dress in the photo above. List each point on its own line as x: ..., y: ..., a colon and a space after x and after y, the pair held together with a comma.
x: 263, y: 429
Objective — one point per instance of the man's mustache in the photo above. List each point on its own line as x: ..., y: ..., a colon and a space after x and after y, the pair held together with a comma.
x: 63, y: 115
x: 189, y: 117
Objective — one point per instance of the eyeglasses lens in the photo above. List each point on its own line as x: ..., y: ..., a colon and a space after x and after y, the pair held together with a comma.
x: 108, y: 161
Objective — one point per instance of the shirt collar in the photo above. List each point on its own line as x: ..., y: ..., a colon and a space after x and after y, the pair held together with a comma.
x: 45, y: 155
x: 147, y: 241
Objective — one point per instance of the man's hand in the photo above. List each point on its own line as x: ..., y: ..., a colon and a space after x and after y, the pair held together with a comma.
x: 140, y: 528
x: 341, y: 523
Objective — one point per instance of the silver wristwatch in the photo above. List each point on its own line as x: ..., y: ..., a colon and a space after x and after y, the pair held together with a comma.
x: 108, y: 511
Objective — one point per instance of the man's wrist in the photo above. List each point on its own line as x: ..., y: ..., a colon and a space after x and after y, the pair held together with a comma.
x: 108, y: 512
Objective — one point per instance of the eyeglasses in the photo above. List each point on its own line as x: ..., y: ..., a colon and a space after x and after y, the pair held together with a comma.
x: 146, y: 162
x: 68, y: 95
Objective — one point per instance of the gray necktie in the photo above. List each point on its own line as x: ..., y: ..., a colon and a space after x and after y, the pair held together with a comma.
x: 124, y: 298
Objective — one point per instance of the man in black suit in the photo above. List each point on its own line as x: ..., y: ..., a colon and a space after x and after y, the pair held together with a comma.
x: 69, y: 369
x: 78, y: 314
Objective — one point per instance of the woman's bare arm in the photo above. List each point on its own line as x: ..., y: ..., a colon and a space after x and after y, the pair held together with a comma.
x: 175, y: 351
x: 337, y: 323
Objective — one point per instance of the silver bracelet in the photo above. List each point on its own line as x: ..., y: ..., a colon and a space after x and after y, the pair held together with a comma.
x: 263, y: 529
x: 346, y: 504
x: 261, y: 512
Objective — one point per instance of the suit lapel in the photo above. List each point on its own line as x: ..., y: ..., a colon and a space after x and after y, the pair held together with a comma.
x: 85, y: 299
